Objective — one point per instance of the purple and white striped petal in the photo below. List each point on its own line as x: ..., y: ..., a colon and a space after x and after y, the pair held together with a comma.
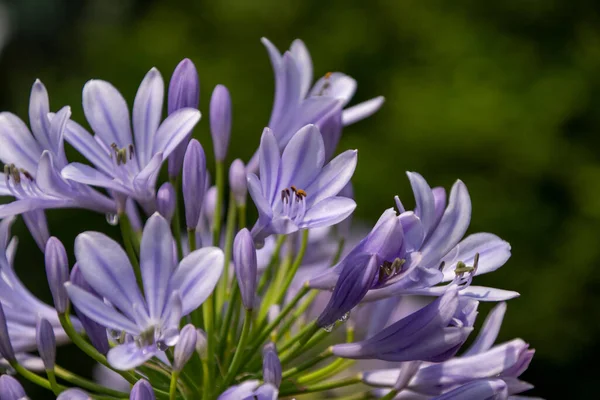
x: 129, y: 355
x: 333, y: 177
x: 362, y: 110
x: 147, y: 111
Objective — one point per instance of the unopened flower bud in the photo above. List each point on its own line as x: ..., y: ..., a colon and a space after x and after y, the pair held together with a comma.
x: 185, y: 347
x: 271, y: 365
x: 74, y: 394
x: 46, y: 343
x: 165, y: 201
x: 142, y: 390
x: 201, y: 342
x: 57, y: 271
x: 244, y: 258
x: 220, y: 121
x: 184, y: 91
x: 237, y: 181
x: 210, y: 204
x: 6, y: 349
x: 95, y: 332
x: 11, y: 389
x: 193, y: 182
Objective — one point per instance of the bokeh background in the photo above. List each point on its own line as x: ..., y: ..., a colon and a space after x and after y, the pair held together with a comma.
x: 503, y: 95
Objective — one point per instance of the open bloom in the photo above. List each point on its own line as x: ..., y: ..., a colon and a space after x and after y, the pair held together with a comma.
x: 434, y: 333
x: 413, y: 252
x: 124, y: 162
x: 481, y: 361
x: 295, y: 191
x: 297, y: 104
x: 150, y: 322
x: 33, y: 161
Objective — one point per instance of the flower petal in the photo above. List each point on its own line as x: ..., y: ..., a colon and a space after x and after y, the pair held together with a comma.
x: 85, y: 174
x: 328, y: 212
x: 269, y: 160
x: 262, y: 204
x: 147, y: 111
x: 362, y: 110
x: 425, y: 207
x: 489, y: 331
x: 333, y: 178
x: 156, y: 263
x: 196, y: 276
x: 337, y: 85
x: 18, y: 145
x: 107, y: 113
x: 98, y: 311
x: 174, y: 129
x: 89, y: 147
x: 129, y: 355
x: 39, y: 107
x: 302, y: 158
x: 305, y: 66
x: 107, y: 269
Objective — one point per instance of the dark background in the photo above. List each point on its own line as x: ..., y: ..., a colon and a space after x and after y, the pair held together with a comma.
x: 503, y: 95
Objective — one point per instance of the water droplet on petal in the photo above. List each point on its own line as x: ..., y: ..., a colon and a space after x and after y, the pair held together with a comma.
x: 112, y: 219
x: 329, y: 328
x: 344, y: 317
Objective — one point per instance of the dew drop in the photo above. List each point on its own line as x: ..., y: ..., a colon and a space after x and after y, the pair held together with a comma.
x: 112, y: 219
x: 329, y: 328
x: 344, y: 317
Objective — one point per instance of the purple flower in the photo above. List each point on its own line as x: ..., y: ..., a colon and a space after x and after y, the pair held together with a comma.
x: 150, y: 322
x: 244, y: 258
x: 295, y: 191
x: 142, y: 390
x: 220, y: 121
x: 433, y: 333
x: 11, y: 389
x: 297, y: 104
x: 414, y: 251
x: 124, y: 162
x: 484, y: 389
x: 184, y: 91
x: 481, y: 361
x: 33, y: 161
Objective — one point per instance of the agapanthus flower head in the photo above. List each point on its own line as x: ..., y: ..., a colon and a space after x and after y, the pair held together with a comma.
x: 125, y: 162
x: 32, y: 164
x: 297, y: 104
x: 295, y: 190
x: 150, y: 322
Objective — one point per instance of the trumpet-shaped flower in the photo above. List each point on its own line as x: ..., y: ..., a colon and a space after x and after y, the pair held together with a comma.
x: 295, y: 191
x: 150, y: 321
x: 124, y: 162
x: 297, y: 104
x: 33, y: 161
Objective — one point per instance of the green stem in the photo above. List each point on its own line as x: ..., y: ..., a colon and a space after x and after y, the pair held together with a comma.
x: 220, y: 182
x: 307, y: 364
x: 30, y: 376
x: 206, y: 384
x: 226, y: 325
x: 207, y: 313
x: 173, y: 385
x: 177, y: 219
x: 322, y: 387
x: 52, y: 379
x: 87, y: 348
x: 391, y: 394
x: 294, y: 340
x: 339, y: 251
x: 239, y: 351
x: 128, y: 239
x: 242, y: 216
x: 224, y: 290
x: 86, y: 384
x: 292, y: 271
x: 191, y: 236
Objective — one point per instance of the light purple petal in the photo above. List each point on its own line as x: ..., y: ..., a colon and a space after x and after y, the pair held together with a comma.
x: 333, y: 177
x: 85, y: 174
x: 49, y: 179
x: 305, y: 66
x: 156, y: 263
x: 38, y: 226
x: 337, y: 85
x: 328, y: 212
x: 173, y: 312
x: 262, y: 204
x: 489, y: 331
x: 485, y: 389
x: 425, y: 203
x: 269, y: 159
x: 302, y: 158
x: 452, y: 227
x: 414, y: 232
x: 175, y: 129
x: 145, y: 180
x: 362, y: 110
x: 483, y: 293
x: 18, y: 145
x: 439, y: 198
x: 107, y: 269
x: 196, y: 276
x: 147, y: 112
x: 107, y: 113
x: 240, y: 391
x: 98, y: 311
x: 39, y: 107
x: 128, y: 356
x: 74, y: 394
x: 89, y: 147
x: 58, y: 124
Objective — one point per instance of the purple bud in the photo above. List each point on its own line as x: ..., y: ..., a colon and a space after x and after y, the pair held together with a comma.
x: 331, y: 130
x: 271, y: 365
x: 95, y: 331
x: 57, y: 271
x: 11, y: 389
x: 193, y: 183
x: 46, y: 342
x: 6, y: 349
x: 184, y: 91
x: 210, y: 204
x: 74, y: 394
x: 237, y: 181
x: 201, y: 342
x: 165, y: 201
x: 142, y: 390
x: 185, y: 347
x: 244, y: 258
x: 220, y: 121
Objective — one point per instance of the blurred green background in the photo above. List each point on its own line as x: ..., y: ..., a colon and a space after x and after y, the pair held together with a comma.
x: 503, y: 95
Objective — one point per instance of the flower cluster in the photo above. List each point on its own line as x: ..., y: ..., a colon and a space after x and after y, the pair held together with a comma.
x: 293, y: 303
